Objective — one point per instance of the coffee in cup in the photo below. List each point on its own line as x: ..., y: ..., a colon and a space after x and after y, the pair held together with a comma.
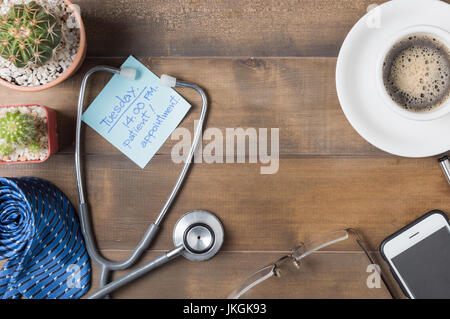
x: 416, y: 73
x: 413, y: 72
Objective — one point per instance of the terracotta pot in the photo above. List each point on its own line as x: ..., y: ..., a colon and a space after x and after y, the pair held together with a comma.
x: 51, y: 133
x: 79, y: 58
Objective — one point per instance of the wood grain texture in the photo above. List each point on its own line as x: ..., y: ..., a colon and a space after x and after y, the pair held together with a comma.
x: 297, y: 95
x: 329, y: 178
x: 307, y: 197
x: 324, y: 275
x: 219, y: 28
x: 327, y: 274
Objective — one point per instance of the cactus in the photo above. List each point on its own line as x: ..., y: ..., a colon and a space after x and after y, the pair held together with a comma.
x: 28, y: 35
x: 34, y: 147
x: 18, y: 129
x: 5, y: 149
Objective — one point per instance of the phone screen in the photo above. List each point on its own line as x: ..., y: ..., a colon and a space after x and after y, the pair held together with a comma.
x: 425, y: 267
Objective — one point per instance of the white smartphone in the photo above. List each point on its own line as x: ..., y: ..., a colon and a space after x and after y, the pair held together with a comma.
x: 419, y: 256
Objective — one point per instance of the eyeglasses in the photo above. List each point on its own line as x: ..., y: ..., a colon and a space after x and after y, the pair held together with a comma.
x: 307, y: 266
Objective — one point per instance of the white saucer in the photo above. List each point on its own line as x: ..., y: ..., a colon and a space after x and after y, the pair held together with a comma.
x: 356, y: 85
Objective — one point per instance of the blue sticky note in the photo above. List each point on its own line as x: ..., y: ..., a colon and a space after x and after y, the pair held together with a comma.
x: 136, y: 116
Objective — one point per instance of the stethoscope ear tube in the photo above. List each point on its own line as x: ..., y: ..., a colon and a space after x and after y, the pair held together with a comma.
x: 86, y: 229
x: 107, y: 265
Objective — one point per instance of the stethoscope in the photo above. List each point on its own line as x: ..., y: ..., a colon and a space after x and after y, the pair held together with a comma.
x: 198, y: 235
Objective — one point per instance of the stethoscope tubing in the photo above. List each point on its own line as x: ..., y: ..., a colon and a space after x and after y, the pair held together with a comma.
x: 108, y: 265
x: 135, y: 274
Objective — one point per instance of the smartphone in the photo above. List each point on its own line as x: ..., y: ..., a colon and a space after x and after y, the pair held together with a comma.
x: 419, y: 256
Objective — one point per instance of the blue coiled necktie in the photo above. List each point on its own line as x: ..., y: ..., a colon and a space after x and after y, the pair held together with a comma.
x: 41, y: 238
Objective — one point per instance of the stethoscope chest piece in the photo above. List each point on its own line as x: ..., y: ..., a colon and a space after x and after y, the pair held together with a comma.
x: 201, y: 233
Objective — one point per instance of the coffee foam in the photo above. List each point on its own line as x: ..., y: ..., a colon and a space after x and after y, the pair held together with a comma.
x: 416, y: 73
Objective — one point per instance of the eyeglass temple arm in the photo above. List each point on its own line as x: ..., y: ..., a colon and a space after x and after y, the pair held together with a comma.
x: 367, y: 253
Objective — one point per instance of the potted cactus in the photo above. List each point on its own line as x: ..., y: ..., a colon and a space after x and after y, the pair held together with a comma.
x: 27, y: 133
x: 42, y: 43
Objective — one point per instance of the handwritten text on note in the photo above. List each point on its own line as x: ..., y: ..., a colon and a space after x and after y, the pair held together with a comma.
x: 136, y: 116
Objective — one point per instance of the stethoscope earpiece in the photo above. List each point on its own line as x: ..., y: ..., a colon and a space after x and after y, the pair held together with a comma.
x: 200, y: 233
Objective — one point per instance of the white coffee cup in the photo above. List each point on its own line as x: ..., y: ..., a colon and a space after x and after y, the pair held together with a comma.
x: 442, y: 36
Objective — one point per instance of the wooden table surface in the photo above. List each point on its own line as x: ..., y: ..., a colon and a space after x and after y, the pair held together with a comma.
x: 263, y: 63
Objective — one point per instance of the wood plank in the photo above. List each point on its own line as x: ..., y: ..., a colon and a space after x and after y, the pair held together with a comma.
x: 220, y: 28
x: 297, y: 95
x: 322, y: 275
x: 307, y: 197
x: 329, y: 177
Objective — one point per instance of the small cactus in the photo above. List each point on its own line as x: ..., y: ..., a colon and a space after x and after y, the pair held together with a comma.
x: 17, y: 129
x: 5, y: 149
x: 35, y: 147
x: 28, y: 35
